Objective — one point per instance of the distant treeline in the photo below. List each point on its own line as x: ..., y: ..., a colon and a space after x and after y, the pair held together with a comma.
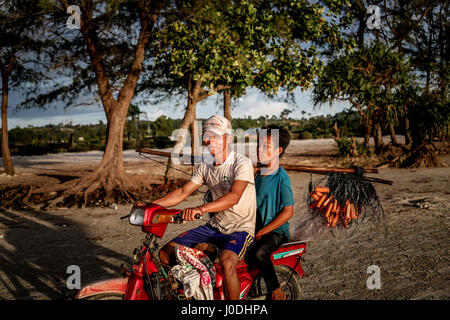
x: 156, y: 134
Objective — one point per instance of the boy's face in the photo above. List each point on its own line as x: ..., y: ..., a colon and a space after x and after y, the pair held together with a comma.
x: 267, y: 150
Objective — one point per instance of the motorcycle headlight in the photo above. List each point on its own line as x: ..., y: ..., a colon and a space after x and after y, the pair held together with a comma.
x: 137, y: 216
x: 162, y: 218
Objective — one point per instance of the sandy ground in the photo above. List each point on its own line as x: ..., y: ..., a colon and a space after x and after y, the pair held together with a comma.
x: 411, y: 248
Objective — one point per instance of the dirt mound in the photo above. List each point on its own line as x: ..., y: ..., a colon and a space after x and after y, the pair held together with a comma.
x: 424, y: 156
x: 18, y: 197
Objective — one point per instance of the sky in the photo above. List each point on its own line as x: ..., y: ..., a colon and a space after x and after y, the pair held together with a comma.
x: 254, y: 104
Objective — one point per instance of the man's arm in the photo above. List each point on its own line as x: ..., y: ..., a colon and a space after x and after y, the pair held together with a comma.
x: 284, y: 216
x: 223, y: 203
x: 178, y: 195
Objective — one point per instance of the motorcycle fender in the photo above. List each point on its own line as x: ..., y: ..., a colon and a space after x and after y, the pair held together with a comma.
x: 291, y: 262
x: 115, y: 285
x: 289, y: 256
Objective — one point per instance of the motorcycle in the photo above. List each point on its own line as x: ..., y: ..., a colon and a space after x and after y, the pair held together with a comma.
x: 150, y: 279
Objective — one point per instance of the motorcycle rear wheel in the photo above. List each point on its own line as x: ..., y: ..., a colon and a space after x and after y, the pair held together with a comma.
x: 105, y: 296
x: 291, y: 288
x: 284, y: 274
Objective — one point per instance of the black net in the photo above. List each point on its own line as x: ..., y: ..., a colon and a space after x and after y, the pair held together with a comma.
x: 337, y: 203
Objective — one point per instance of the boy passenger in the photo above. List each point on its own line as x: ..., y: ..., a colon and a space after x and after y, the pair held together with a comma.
x: 275, y: 203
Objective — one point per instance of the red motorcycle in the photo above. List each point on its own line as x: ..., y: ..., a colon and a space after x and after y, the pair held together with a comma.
x: 150, y: 279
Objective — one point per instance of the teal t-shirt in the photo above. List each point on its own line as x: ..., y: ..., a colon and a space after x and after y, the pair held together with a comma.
x: 273, y: 193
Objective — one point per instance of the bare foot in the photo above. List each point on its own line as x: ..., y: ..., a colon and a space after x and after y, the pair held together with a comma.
x: 278, y: 294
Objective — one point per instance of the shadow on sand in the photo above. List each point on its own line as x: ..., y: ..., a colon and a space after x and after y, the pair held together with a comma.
x: 36, y: 249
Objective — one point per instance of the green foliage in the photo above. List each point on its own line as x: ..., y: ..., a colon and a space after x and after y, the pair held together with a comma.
x: 56, y: 138
x: 162, y: 143
x: 370, y: 77
x: 66, y: 58
x: 428, y: 111
x: 410, y: 50
x: 305, y: 135
x: 245, y: 123
x: 164, y: 126
x: 239, y: 44
x: 344, y: 146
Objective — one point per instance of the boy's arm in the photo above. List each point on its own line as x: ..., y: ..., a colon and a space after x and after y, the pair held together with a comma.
x: 223, y: 203
x: 178, y: 195
x: 284, y: 216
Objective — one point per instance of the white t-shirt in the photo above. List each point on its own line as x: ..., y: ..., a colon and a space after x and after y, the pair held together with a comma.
x: 242, y: 216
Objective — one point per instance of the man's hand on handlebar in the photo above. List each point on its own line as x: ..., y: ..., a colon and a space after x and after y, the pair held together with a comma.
x: 190, y: 214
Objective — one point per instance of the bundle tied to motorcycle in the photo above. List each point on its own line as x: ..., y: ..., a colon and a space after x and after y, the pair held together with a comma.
x: 336, y: 204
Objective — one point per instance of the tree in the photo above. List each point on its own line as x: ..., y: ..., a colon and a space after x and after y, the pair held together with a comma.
x: 107, y: 52
x: 17, y: 44
x: 427, y: 47
x: 415, y: 29
x: 369, y: 79
x: 232, y: 45
x: 6, y: 70
x: 285, y: 114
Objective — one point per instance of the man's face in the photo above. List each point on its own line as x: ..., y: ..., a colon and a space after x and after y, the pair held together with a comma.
x: 267, y: 150
x: 214, y: 142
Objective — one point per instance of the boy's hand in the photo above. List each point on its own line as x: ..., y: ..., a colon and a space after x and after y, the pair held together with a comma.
x: 259, y: 235
x: 189, y: 213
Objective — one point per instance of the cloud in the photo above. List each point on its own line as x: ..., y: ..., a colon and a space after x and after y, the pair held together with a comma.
x: 255, y: 106
x: 154, y: 114
x: 44, y: 119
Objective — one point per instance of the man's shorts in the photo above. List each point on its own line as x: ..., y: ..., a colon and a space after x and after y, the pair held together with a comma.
x: 238, y: 242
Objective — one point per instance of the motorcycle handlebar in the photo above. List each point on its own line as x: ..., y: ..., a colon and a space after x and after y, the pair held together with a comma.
x: 179, y: 218
x: 176, y: 218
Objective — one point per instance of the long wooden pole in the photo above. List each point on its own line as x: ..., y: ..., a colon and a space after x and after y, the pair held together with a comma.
x: 320, y: 169
x: 317, y: 170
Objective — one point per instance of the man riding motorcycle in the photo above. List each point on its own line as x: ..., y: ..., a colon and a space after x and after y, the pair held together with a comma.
x: 231, y: 183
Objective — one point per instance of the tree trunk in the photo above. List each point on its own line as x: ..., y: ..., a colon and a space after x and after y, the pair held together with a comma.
x: 367, y: 122
x: 195, y: 146
x: 110, y: 176
x: 392, y: 134
x: 111, y: 166
x: 71, y: 142
x: 368, y: 125
x: 408, y: 136
x: 183, y: 131
x: 378, y: 136
x: 194, y: 90
x: 7, y: 161
x: 227, y: 104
